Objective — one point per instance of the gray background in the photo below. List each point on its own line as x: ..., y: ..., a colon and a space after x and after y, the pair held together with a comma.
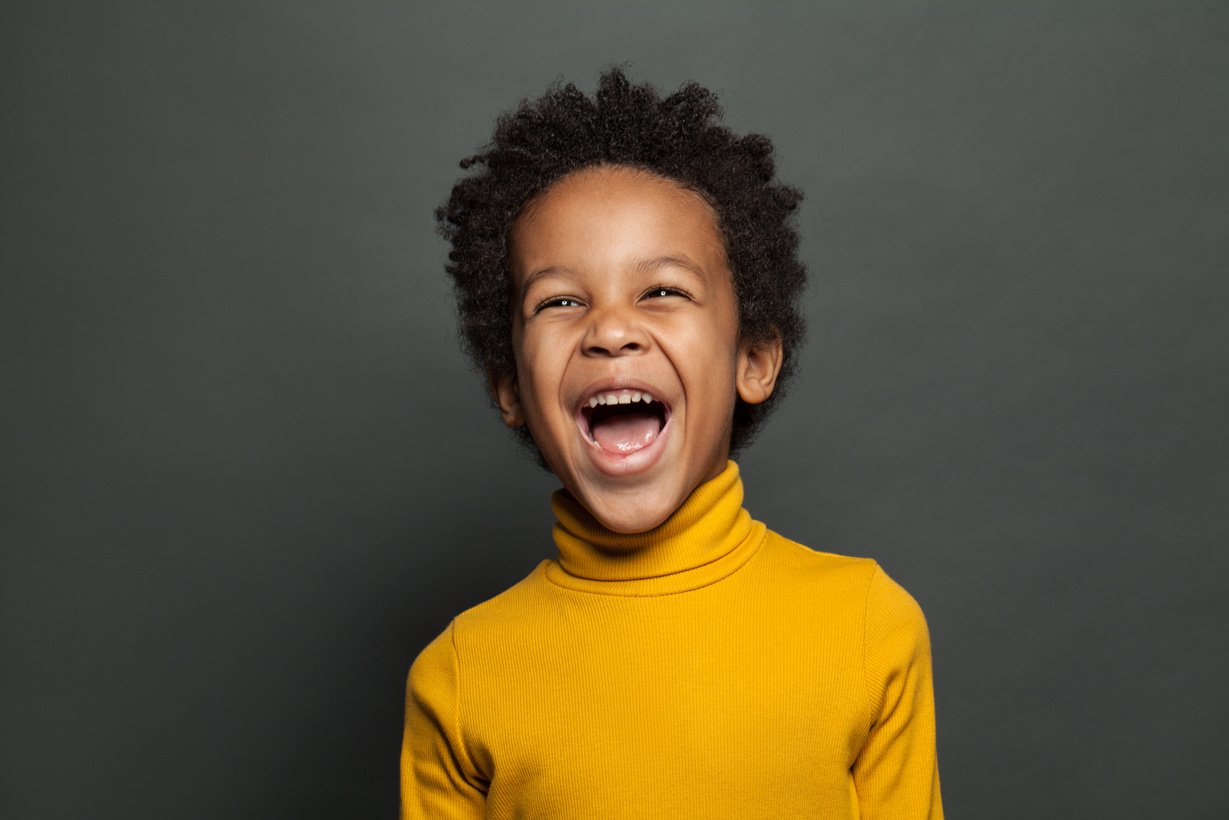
x: 247, y: 475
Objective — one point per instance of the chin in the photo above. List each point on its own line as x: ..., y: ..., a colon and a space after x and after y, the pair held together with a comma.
x: 625, y: 524
x: 629, y: 515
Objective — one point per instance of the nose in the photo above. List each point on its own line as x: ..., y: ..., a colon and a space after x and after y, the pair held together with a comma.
x: 614, y: 331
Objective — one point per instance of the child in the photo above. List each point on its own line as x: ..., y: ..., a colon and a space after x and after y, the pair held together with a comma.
x: 628, y: 278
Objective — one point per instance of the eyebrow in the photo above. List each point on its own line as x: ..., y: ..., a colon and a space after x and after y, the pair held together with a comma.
x: 641, y: 266
x: 668, y: 261
x: 553, y: 270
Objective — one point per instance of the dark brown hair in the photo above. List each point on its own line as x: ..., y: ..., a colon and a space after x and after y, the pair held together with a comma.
x: 678, y: 137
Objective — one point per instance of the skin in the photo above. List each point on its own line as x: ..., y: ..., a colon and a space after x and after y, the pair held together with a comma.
x: 621, y: 279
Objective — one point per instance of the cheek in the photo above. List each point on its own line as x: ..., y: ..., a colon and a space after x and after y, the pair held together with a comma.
x: 723, y: 336
x: 540, y: 369
x: 528, y: 351
x: 715, y: 337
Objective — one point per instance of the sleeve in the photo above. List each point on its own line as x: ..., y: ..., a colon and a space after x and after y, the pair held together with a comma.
x: 438, y: 779
x: 897, y: 773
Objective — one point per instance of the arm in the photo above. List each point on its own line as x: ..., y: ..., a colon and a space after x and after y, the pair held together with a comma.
x: 896, y: 773
x: 438, y: 780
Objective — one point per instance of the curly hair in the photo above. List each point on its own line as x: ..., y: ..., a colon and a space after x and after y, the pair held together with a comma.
x: 677, y: 137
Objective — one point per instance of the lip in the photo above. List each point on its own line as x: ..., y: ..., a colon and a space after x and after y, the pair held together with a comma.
x: 621, y: 464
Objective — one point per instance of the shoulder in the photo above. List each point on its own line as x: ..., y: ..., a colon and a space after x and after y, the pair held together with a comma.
x: 817, y: 571
x: 861, y: 584
x: 432, y: 678
x: 895, y: 634
x: 507, y: 615
x: 522, y: 607
x: 826, y: 590
x: 889, y: 601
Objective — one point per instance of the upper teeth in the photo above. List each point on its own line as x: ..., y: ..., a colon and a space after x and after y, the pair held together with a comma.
x: 624, y: 397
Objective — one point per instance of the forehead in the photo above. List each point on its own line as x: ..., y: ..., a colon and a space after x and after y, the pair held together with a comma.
x: 608, y: 211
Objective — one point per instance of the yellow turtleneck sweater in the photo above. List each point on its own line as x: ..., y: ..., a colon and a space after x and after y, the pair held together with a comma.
x: 708, y: 668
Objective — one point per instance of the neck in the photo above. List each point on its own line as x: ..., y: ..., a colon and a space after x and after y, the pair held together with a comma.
x: 706, y: 538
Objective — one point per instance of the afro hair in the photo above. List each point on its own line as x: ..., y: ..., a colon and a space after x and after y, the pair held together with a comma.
x: 677, y: 137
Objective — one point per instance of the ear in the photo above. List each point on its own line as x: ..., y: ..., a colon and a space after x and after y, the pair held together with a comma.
x: 759, y: 362
x: 508, y: 396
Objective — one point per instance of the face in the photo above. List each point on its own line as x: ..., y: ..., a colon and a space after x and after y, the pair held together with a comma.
x: 626, y: 341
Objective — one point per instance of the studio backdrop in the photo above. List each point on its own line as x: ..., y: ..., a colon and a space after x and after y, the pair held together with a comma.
x: 248, y: 475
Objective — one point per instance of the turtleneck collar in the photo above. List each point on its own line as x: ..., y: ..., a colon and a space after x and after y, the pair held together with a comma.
x: 706, y: 539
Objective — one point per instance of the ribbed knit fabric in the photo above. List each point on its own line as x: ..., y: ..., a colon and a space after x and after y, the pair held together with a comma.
x: 705, y: 669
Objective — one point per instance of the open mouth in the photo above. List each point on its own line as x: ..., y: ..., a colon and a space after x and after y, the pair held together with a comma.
x: 623, y: 421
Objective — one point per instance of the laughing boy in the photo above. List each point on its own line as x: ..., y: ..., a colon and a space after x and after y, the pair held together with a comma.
x: 627, y: 274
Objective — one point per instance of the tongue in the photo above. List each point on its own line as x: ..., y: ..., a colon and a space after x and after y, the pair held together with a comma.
x: 626, y: 433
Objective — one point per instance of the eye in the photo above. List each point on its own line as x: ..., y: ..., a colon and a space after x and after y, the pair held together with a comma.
x: 556, y: 302
x: 659, y: 291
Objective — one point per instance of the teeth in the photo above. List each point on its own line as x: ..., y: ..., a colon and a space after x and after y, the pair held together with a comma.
x: 626, y: 398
